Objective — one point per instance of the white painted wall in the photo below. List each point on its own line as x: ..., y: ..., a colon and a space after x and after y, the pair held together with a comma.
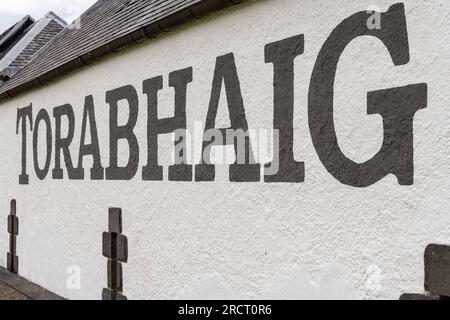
x: 318, y: 239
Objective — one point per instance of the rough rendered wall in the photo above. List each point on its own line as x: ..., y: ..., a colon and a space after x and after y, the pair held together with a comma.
x: 316, y: 239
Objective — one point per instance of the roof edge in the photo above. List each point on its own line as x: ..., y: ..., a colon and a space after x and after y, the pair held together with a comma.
x: 194, y: 12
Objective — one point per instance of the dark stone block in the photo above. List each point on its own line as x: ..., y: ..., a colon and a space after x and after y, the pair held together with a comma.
x: 12, y: 244
x: 122, y: 248
x: 115, y: 280
x: 115, y: 247
x: 106, y: 294
x: 13, y: 225
x: 437, y: 270
x: 12, y: 262
x: 10, y: 224
x: 9, y: 261
x: 109, y: 294
x: 417, y: 297
x: 115, y: 220
x: 120, y: 296
x: 108, y: 245
x: 13, y: 207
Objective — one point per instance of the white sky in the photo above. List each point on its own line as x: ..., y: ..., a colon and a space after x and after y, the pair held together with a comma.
x: 12, y: 11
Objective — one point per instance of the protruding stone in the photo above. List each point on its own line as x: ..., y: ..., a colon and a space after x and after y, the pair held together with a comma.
x: 416, y: 297
x: 122, y: 248
x: 12, y: 263
x: 13, y: 207
x: 437, y: 270
x: 115, y: 280
x: 13, y: 225
x: 115, y: 220
x: 12, y: 244
x: 107, y: 245
x: 109, y: 294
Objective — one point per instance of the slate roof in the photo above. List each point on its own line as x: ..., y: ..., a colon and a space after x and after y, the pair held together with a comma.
x: 106, y: 27
x: 43, y: 38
